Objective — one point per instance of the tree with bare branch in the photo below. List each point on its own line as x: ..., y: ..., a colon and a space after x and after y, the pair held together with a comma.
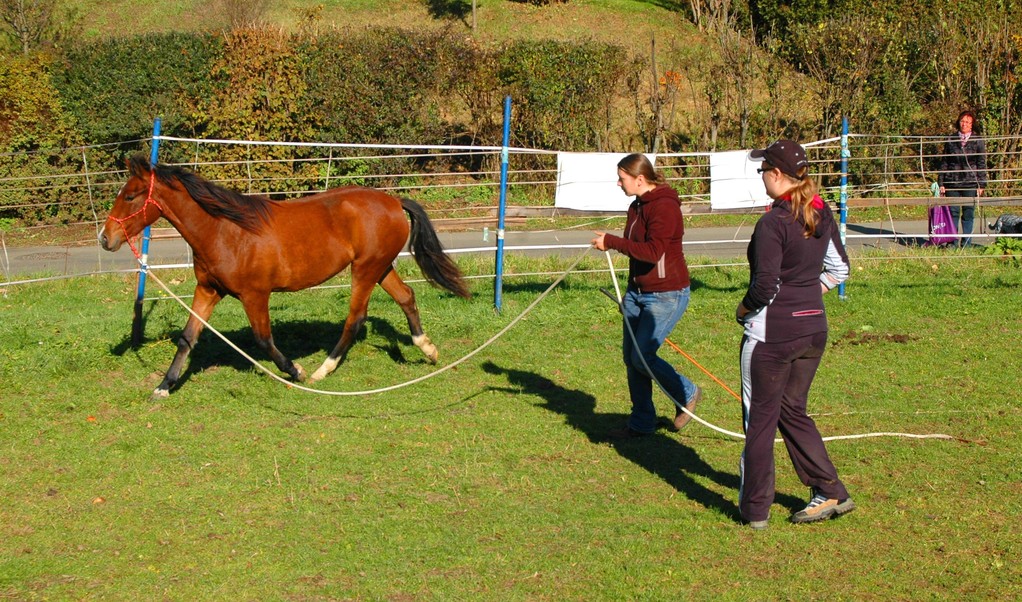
x: 31, y: 24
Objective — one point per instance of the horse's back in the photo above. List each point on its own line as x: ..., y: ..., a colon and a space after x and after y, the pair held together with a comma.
x: 348, y: 209
x: 367, y: 221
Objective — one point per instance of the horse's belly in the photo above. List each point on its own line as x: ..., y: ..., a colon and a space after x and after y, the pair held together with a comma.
x: 301, y: 274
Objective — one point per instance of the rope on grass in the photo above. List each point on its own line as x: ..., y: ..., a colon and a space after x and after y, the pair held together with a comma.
x: 510, y: 325
x: 293, y: 385
x: 718, y: 429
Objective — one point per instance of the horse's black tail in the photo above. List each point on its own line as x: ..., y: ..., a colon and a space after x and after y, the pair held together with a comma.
x: 429, y: 253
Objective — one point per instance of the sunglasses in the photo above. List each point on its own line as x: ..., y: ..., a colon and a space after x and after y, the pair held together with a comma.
x: 764, y: 169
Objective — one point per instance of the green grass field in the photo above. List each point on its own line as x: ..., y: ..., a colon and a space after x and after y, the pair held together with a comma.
x: 493, y: 480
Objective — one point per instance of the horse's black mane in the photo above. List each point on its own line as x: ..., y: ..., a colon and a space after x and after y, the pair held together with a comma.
x: 249, y: 212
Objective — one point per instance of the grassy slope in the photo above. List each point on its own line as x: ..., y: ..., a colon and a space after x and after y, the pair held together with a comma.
x: 629, y: 23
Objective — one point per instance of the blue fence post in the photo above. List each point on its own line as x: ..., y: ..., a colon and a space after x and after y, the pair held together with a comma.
x: 845, y: 154
x: 137, y: 323
x: 499, y: 280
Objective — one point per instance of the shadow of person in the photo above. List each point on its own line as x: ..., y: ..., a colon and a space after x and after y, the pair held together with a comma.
x: 661, y: 455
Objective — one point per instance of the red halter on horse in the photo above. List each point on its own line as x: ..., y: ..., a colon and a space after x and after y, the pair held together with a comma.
x: 249, y: 246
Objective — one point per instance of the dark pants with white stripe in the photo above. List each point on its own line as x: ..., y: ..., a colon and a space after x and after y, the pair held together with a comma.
x: 775, y: 386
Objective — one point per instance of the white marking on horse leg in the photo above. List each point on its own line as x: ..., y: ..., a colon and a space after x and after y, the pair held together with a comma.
x: 427, y: 347
x: 301, y: 373
x: 328, y: 366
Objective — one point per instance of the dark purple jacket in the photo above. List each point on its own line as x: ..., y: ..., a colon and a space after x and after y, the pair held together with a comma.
x: 652, y: 240
x: 963, y: 166
x: 784, y: 298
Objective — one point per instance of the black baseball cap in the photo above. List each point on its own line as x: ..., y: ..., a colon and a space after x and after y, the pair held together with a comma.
x: 786, y: 155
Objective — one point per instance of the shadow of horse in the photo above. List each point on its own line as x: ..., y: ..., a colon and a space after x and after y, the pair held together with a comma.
x: 302, y: 339
x: 663, y: 456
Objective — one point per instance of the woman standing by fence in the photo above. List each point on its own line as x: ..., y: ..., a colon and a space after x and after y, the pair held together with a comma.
x: 963, y: 172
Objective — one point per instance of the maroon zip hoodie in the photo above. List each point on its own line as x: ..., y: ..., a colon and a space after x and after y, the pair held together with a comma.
x: 652, y: 240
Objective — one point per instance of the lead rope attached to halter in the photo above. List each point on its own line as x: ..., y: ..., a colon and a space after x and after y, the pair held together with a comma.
x: 631, y: 333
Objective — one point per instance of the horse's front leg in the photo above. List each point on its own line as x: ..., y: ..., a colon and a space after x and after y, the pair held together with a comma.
x: 203, y: 303
x: 257, y: 308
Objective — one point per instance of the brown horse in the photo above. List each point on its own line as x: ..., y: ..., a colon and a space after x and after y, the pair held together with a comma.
x: 249, y: 246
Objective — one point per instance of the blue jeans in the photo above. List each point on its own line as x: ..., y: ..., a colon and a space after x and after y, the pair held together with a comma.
x: 967, y: 212
x: 652, y: 316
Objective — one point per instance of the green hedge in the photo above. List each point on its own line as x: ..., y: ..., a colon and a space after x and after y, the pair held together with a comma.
x: 115, y: 88
x: 374, y: 86
x: 32, y: 124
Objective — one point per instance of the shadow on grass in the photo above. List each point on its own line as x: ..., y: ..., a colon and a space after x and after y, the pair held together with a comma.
x: 672, y: 5
x: 447, y: 9
x: 908, y: 240
x: 660, y: 454
x: 295, y: 339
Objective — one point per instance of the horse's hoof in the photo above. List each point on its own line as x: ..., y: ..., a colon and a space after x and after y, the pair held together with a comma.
x: 159, y: 394
x: 300, y: 376
x: 430, y: 351
x: 427, y: 347
x: 329, y: 365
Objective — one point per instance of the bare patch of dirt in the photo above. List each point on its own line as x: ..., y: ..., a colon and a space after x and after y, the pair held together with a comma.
x: 871, y: 338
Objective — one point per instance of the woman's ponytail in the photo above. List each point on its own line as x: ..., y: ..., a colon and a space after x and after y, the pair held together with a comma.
x: 802, y: 205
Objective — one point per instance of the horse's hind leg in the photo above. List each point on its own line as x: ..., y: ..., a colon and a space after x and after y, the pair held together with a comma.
x: 361, y: 290
x: 405, y: 297
x: 257, y: 308
x: 203, y: 303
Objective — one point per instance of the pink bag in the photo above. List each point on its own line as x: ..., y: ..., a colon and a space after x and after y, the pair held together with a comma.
x: 941, y: 226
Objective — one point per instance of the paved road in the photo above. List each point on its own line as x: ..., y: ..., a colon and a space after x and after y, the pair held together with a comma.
x: 718, y: 243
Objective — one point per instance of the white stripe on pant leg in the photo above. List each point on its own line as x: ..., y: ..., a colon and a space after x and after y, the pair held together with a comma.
x: 745, y: 367
x: 741, y: 480
x: 748, y: 346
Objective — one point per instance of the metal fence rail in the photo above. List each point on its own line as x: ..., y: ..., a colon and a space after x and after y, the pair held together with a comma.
x: 74, y: 188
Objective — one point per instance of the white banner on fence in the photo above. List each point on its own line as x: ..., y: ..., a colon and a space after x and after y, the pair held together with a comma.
x: 588, y: 182
x: 734, y: 183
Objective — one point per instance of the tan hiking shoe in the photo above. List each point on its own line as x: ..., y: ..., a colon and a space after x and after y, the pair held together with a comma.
x: 821, y: 507
x: 682, y: 418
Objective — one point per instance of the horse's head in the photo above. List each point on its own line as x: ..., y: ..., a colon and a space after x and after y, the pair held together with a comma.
x: 134, y: 208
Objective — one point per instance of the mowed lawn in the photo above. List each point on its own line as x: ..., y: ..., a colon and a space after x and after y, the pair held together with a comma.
x: 493, y: 480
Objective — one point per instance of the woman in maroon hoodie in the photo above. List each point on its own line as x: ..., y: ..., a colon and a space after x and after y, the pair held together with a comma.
x: 657, y: 293
x: 795, y: 256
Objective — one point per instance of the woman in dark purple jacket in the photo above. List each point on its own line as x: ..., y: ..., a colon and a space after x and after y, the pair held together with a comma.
x: 963, y: 172
x: 795, y: 256
x: 657, y: 293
